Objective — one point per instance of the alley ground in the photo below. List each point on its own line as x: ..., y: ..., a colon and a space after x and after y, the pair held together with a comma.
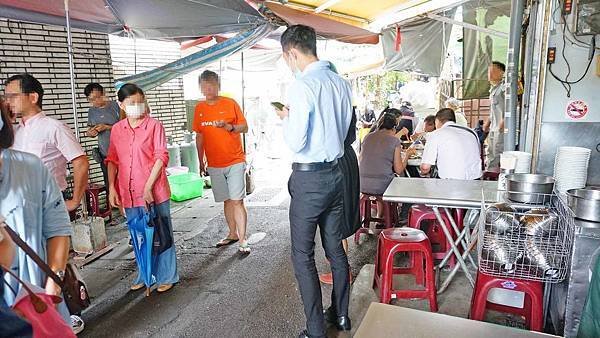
x: 221, y: 293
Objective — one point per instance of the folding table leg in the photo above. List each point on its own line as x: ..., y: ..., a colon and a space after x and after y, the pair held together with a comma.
x: 446, y: 283
x: 464, y: 241
x: 459, y: 258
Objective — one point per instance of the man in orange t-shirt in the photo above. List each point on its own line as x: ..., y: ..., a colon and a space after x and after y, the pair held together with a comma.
x: 218, y: 122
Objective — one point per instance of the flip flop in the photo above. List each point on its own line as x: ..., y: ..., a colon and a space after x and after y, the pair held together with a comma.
x: 244, y: 248
x: 226, y: 241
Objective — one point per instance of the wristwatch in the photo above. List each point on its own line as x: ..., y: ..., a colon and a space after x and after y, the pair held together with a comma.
x: 60, y: 274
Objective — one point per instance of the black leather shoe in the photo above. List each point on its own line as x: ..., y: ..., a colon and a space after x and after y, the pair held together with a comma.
x: 342, y: 323
x: 303, y: 334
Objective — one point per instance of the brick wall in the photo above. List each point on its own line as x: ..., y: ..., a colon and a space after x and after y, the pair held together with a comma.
x: 166, y: 101
x: 41, y: 50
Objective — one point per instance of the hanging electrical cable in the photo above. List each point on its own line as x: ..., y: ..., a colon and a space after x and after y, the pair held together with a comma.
x: 567, y: 85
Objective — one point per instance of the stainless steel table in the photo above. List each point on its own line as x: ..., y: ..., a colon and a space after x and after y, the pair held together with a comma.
x: 383, y: 320
x: 444, y: 194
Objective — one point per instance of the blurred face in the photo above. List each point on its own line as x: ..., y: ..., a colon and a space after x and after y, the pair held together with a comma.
x: 429, y: 127
x: 209, y: 88
x: 135, y: 106
x: 19, y: 102
x: 97, y: 99
x: 495, y: 74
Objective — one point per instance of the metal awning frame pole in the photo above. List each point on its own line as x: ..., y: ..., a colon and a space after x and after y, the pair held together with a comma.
x: 517, y: 8
x: 73, y: 94
x: 467, y: 25
x: 243, y: 97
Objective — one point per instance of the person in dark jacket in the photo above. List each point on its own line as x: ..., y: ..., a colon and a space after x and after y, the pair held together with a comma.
x: 351, y: 180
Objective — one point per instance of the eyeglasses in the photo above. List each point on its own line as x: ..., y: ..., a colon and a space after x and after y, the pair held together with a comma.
x: 9, y: 96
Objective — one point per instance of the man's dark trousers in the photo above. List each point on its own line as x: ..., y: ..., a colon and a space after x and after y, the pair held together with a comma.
x: 317, y: 200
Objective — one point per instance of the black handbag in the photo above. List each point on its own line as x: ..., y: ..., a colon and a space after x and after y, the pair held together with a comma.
x: 162, y: 239
x: 74, y: 289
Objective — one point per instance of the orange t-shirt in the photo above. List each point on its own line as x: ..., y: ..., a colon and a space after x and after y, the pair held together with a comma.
x: 222, y: 148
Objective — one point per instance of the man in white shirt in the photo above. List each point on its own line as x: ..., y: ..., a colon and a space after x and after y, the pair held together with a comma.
x: 425, y: 126
x: 452, y: 148
x: 47, y: 138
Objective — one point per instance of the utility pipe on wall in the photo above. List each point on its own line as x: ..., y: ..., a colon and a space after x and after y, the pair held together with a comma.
x: 512, y: 73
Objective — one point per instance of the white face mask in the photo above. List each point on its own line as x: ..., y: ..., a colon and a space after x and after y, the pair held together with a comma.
x: 135, y: 110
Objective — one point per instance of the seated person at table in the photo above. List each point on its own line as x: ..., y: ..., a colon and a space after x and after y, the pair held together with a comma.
x: 424, y: 127
x: 452, y: 148
x: 406, y: 121
x: 380, y: 158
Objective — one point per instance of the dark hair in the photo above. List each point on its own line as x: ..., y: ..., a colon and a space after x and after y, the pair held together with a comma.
x: 29, y: 85
x: 301, y: 37
x: 499, y: 65
x: 91, y: 87
x: 7, y: 136
x: 430, y: 119
x: 388, y: 121
x: 127, y: 90
x: 208, y: 75
x: 407, y: 111
x: 444, y: 115
x: 393, y: 111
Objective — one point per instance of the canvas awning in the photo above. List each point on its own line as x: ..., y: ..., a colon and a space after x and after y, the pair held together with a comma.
x: 146, y: 19
x: 420, y: 46
x: 325, y: 27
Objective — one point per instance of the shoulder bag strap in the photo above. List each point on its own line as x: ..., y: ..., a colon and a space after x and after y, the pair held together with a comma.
x: 31, y: 253
x: 467, y: 129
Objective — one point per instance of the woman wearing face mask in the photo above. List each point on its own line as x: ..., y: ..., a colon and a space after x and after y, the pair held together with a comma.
x: 137, y: 157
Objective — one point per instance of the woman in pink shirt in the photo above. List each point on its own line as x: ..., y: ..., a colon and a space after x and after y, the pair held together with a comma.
x: 137, y: 157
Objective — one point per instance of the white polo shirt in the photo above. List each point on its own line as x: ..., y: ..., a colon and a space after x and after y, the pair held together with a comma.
x: 455, y: 151
x: 50, y: 140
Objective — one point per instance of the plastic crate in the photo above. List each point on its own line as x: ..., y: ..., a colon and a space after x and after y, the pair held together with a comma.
x: 186, y: 186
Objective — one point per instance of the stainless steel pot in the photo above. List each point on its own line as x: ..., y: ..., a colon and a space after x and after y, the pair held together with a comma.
x: 540, y: 223
x: 502, y: 255
x: 537, y: 261
x: 500, y: 219
x: 585, y: 203
x: 529, y: 188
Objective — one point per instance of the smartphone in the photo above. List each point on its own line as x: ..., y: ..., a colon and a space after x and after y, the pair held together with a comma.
x: 278, y: 105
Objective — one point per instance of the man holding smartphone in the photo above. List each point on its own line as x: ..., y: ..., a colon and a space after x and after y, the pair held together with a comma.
x: 219, y: 123
x: 315, y: 124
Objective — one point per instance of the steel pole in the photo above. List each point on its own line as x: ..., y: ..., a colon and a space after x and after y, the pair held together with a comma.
x: 72, y: 69
x: 243, y: 97
x: 512, y: 73
x: 73, y: 95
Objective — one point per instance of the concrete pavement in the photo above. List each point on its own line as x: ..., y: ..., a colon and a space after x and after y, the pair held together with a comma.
x: 224, y: 294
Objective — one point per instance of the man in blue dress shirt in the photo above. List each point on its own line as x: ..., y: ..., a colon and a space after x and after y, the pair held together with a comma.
x: 315, y: 124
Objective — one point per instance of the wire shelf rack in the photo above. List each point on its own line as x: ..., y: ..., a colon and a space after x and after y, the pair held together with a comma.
x: 531, y: 241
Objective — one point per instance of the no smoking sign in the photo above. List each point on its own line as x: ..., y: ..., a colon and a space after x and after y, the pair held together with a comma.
x: 577, y: 110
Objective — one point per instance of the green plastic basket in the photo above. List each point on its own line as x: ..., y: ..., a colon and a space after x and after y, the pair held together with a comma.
x: 186, y: 186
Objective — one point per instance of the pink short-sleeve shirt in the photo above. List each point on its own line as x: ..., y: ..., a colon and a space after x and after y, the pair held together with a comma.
x: 50, y: 140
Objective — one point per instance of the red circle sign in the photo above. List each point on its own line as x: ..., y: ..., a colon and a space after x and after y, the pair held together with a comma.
x: 577, y: 109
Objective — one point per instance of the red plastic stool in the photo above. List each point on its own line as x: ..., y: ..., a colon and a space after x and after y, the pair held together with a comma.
x: 366, y: 203
x: 415, y: 242
x: 93, y: 201
x: 533, y: 306
x: 490, y: 175
x: 420, y: 213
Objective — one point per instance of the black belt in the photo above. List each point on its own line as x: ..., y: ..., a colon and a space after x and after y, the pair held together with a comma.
x: 314, y: 166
